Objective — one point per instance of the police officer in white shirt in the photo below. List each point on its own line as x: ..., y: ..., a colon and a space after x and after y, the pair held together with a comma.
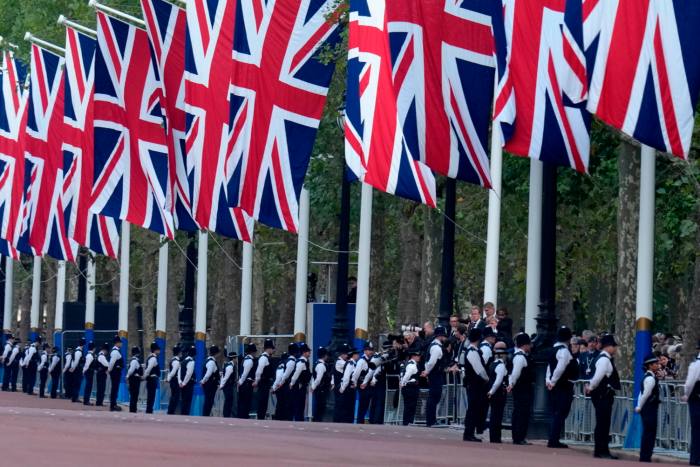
x: 361, y: 379
x: 185, y: 378
x: 172, y: 379
x: 435, y: 372
x: 245, y: 381
x: 476, y: 381
x: 284, y: 409
x: 520, y: 384
x: 101, y: 374
x: 88, y: 372
x: 692, y: 396
x: 31, y: 362
x: 152, y: 376
x: 133, y: 377
x: 497, y: 391
x: 5, y: 360
x: 321, y: 385
x: 55, y: 371
x: 562, y: 370
x: 602, y: 389
x: 67, y: 375
x: 264, y: 374
x: 648, y: 407
x: 43, y: 370
x: 228, y: 384
x: 210, y: 381
x: 76, y: 370
x: 338, y: 372
x: 116, y: 363
x: 409, y: 385
x: 347, y: 389
x: 299, y: 383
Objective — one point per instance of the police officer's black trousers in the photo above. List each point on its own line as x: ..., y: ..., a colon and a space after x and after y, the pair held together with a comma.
x: 14, y: 373
x: 339, y: 406
x: 498, y: 404
x: 694, y: 411
x: 350, y: 399
x: 603, y: 414
x: 650, y: 419
x: 522, y: 404
x: 174, y: 396
x: 55, y: 381
x: 114, y: 377
x: 281, y: 408
x: 228, y: 400
x: 68, y: 384
x: 31, y: 377
x: 25, y: 380
x: 101, y: 383
x: 134, y: 386
x: 186, y: 398
x: 77, y: 380
x: 245, y: 399
x: 365, y: 399
x: 209, y: 394
x: 560, y: 399
x: 87, y: 392
x: 43, y: 376
x: 376, y: 411
x: 263, y: 399
x: 435, y: 381
x: 410, y: 402
x: 6, y: 374
x: 299, y: 398
x: 320, y: 399
x: 476, y: 400
x: 151, y: 387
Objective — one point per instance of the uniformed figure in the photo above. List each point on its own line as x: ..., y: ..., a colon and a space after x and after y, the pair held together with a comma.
x: 476, y: 381
x: 152, y: 376
x: 76, y: 370
x: 299, y: 383
x: 409, y: 385
x: 486, y: 347
x: 264, y: 377
x: 210, y: 380
x: 338, y: 371
x: 378, y: 386
x: 562, y: 371
x: 67, y: 375
x: 186, y: 380
x: 43, y: 370
x: 14, y: 364
x: 134, y: 374
x: 228, y: 383
x: 55, y: 372
x: 101, y: 374
x: 692, y: 396
x: 346, y: 388
x: 245, y: 381
x: 321, y: 385
x: 497, y: 391
x: 116, y: 363
x: 283, y: 411
x: 602, y: 387
x: 278, y: 385
x: 520, y: 384
x: 435, y: 372
x: 88, y: 371
x: 23, y: 366
x: 7, y: 371
x: 172, y: 379
x: 361, y: 379
x: 648, y: 407
x: 32, y: 365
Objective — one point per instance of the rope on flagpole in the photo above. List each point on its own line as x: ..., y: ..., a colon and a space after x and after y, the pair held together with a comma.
x: 224, y: 250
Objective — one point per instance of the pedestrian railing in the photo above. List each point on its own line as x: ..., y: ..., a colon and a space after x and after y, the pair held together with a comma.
x: 447, y: 409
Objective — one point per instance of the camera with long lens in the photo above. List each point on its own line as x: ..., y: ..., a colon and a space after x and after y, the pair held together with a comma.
x: 410, y: 328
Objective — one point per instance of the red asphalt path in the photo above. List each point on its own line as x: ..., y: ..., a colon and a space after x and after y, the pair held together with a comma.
x: 60, y: 433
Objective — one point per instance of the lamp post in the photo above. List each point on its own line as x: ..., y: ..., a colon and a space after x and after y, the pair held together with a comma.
x: 186, y: 318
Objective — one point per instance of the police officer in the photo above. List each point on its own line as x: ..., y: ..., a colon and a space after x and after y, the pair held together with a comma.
x: 101, y: 374
x: 486, y: 346
x: 67, y: 375
x: 245, y: 381
x: 648, y: 406
x: 186, y: 381
x: 299, y: 383
x: 520, y: 384
x: 692, y: 396
x: 228, y: 383
x: 7, y: 372
x: 23, y: 366
x: 133, y: 376
x: 562, y: 370
x: 321, y: 384
x: 76, y: 370
x: 475, y: 380
x: 152, y: 376
x: 172, y: 379
x: 32, y: 364
x: 377, y: 384
x: 88, y: 372
x: 264, y: 375
x: 602, y: 387
x: 409, y: 385
x: 497, y: 391
x: 347, y: 389
x: 55, y: 372
x: 116, y: 363
x: 277, y: 385
x: 338, y: 371
x: 284, y: 398
x: 210, y: 381
x: 43, y: 370
x: 434, y: 371
x: 361, y: 378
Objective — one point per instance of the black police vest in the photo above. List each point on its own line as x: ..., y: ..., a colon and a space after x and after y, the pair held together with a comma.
x: 501, y: 391
x: 93, y: 364
x: 46, y: 365
x: 655, y: 398
x: 183, y: 370
x: 65, y: 358
x: 155, y: 371
x: 441, y: 364
x: 216, y: 376
x: 325, y: 383
x: 232, y: 379
x: 119, y: 364
x: 470, y: 375
x: 338, y: 375
x: 81, y: 360
x: 268, y: 373
x: 139, y: 371
x: 34, y: 361
x: 251, y: 373
x: 570, y: 372
x: 608, y: 383
x: 101, y: 369
x: 57, y: 368
x: 172, y: 363
x: 305, y: 375
x: 404, y: 366
x: 364, y: 372
x: 527, y: 375
x: 487, y: 363
x: 695, y: 393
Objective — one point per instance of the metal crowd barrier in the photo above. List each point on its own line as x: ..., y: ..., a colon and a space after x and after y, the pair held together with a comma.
x: 447, y: 409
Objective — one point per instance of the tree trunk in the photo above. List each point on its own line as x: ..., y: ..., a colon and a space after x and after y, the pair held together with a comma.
x: 259, y: 297
x: 431, y: 263
x: 225, y: 292
x: 378, y: 283
x: 176, y: 278
x: 149, y: 281
x: 408, y: 307
x: 627, y: 232
x: 49, y: 292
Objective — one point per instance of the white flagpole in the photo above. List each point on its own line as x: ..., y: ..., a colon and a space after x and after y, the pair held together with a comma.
x: 302, y: 268
x: 9, y: 288
x: 246, y: 290
x: 36, y: 298
x: 90, y: 300
x: 60, y: 298
x: 534, y: 247
x: 124, y: 253
x: 363, y: 265
x: 493, y: 232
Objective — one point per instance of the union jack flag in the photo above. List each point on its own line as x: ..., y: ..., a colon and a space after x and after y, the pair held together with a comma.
x: 44, y: 213
x: 98, y: 233
x: 166, y: 25
x: 645, y: 64
x: 13, y: 121
x: 131, y: 151
x: 279, y: 88
x: 540, y: 100
x: 208, y: 53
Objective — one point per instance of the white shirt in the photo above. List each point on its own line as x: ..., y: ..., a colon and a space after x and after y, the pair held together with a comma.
x: 211, y: 369
x: 320, y: 370
x: 175, y: 364
x: 279, y: 375
x: 247, y: 366
x: 263, y: 361
x: 410, y: 371
x: 298, y: 369
x: 13, y: 354
x: 133, y: 366
x: 29, y: 355
x: 372, y: 374
x: 189, y: 370
x: 151, y: 363
x: 76, y: 359
x: 102, y: 359
x: 347, y: 374
x: 360, y: 366
x: 486, y: 351
x: 114, y: 357
x: 477, y: 363
x: 603, y: 368
x: 55, y: 359
x: 6, y: 351
x: 519, y: 362
x: 228, y: 371
x: 563, y: 356
x: 340, y: 365
x: 69, y: 359
x: 42, y: 361
x: 88, y: 361
x: 289, y: 368
x: 500, y: 376
x: 693, y: 376
x: 647, y: 387
x: 435, y: 355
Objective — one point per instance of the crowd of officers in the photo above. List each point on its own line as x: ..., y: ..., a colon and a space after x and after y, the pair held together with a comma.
x: 358, y: 379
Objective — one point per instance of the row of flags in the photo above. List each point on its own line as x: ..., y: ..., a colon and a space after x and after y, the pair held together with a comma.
x: 203, y: 119
x: 427, y: 80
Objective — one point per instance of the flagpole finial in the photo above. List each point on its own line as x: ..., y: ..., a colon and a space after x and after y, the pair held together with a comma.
x: 61, y: 20
x: 28, y: 36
